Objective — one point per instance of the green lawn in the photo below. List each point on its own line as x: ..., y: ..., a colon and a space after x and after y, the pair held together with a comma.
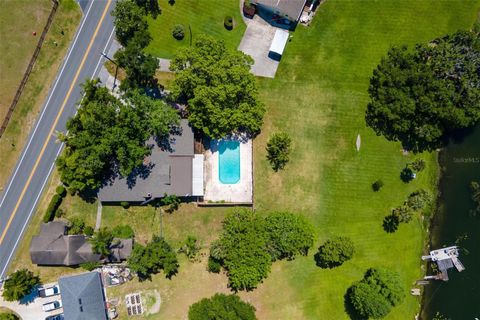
x: 319, y: 97
x: 203, y: 17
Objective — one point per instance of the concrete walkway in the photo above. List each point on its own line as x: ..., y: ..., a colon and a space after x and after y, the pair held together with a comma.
x: 98, y: 222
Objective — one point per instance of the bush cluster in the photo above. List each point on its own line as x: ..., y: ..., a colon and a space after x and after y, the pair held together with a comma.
x: 178, y: 32
x: 334, y: 252
x: 375, y: 295
x: 52, y: 208
x: 228, y: 22
x: 250, y: 243
x: 416, y: 201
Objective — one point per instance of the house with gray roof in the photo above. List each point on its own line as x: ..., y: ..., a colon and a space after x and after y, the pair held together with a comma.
x: 83, y: 297
x: 173, y: 169
x: 280, y: 13
x: 54, y: 247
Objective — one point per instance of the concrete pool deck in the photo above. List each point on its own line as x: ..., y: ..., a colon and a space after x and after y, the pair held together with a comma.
x: 240, y: 192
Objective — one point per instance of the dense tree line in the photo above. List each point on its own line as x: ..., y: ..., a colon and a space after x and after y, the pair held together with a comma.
x: 216, y: 84
x: 107, y: 136
x: 421, y: 96
x: 250, y: 243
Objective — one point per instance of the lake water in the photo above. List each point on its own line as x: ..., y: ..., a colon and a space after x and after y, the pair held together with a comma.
x: 459, y: 298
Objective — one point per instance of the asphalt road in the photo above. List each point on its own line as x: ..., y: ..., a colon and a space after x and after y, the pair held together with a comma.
x: 24, y: 189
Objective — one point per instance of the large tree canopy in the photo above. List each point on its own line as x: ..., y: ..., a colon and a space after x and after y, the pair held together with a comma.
x: 150, y: 259
x: 128, y: 19
x: 218, y: 87
x: 421, y: 96
x: 376, y: 293
x: 221, y: 307
x: 108, y: 136
x: 249, y: 243
x: 19, y: 284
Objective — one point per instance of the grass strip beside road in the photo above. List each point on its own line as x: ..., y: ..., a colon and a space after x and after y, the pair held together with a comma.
x: 33, y: 97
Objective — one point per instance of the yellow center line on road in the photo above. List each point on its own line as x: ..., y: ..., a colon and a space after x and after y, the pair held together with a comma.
x: 42, y: 151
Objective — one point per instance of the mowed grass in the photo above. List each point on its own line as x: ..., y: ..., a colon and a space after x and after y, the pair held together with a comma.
x: 202, y: 16
x: 319, y: 97
x: 18, y: 43
x: 18, y: 20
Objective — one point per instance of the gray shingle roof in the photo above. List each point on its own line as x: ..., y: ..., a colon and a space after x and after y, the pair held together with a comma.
x: 82, y: 297
x: 170, y: 172
x: 53, y: 247
x: 291, y: 8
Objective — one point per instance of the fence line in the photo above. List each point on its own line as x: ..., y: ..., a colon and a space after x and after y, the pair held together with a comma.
x: 9, y: 114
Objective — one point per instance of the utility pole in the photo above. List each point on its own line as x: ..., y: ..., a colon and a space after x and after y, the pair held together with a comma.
x: 116, y: 69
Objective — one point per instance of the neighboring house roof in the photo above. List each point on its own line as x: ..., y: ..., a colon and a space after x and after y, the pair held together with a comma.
x: 122, y: 250
x: 53, y: 247
x: 167, y: 170
x: 289, y: 8
x: 82, y: 297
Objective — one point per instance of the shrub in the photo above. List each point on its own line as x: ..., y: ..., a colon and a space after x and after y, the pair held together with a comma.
x: 178, y: 32
x: 390, y: 223
x: 123, y: 232
x: 190, y: 247
x: 403, y: 213
x: 52, y: 208
x: 61, y: 191
x: 214, y: 265
x: 8, y: 316
x: 221, y: 306
x: 377, y: 185
x: 19, y: 284
x: 59, y: 213
x: 88, y: 231
x: 406, y: 175
x: 172, y: 202
x: 334, y: 252
x: 125, y: 204
x: 418, y: 200
x: 91, y: 265
x: 76, y: 226
x: 278, y: 150
x: 418, y: 164
x: 228, y: 22
x: 376, y: 293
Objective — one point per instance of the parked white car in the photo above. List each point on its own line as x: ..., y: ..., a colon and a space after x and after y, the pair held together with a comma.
x: 49, y: 292
x: 54, y: 305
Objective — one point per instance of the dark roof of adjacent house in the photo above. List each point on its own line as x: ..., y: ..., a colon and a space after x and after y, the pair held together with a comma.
x: 53, y: 247
x: 122, y: 250
x: 167, y: 170
x: 290, y: 8
x: 82, y: 297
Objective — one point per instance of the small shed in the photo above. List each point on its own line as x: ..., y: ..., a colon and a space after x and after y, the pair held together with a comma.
x: 278, y: 44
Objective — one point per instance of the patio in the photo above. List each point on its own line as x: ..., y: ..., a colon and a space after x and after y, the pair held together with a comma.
x: 240, y: 192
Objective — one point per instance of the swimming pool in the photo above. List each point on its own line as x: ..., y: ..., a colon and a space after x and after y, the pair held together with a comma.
x: 229, y: 161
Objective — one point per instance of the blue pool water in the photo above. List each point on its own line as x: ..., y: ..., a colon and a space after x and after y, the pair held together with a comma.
x: 229, y: 161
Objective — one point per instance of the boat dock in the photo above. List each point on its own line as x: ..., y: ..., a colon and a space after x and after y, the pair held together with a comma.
x: 445, y: 258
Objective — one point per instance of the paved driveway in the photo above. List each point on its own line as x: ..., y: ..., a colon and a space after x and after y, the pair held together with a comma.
x: 32, y: 310
x: 256, y: 42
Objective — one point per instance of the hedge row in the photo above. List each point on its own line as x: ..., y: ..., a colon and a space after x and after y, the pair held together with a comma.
x: 54, y: 204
